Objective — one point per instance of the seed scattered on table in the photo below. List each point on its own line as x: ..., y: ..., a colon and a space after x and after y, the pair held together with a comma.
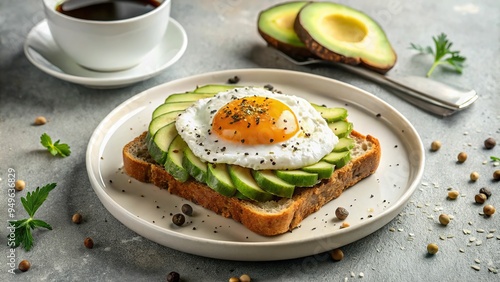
x: 480, y: 198
x: 444, y: 219
x: 40, y: 120
x: 496, y: 174
x: 432, y: 248
x: 341, y: 213
x: 24, y: 265
x: 462, y: 157
x: 489, y: 210
x: 178, y: 219
x: 453, y: 194
x: 489, y: 143
x: 187, y: 209
x: 76, y: 218
x: 485, y: 191
x: 234, y: 279
x: 173, y: 277
x: 474, y: 176
x: 19, y: 185
x: 435, y: 145
x: 88, y: 243
x: 337, y: 254
x: 245, y: 278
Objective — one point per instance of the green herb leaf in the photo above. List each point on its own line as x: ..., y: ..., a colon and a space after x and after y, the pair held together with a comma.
x: 55, y: 148
x: 23, y: 227
x: 36, y: 198
x: 442, y: 54
x: 22, y: 234
x: 41, y: 223
x: 495, y: 158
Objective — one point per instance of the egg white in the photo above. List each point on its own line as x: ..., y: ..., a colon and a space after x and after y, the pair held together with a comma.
x: 311, y: 143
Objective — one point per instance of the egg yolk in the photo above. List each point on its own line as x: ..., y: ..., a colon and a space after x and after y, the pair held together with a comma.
x: 255, y: 121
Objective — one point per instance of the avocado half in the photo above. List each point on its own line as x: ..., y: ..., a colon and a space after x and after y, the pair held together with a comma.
x: 276, y: 26
x: 339, y: 33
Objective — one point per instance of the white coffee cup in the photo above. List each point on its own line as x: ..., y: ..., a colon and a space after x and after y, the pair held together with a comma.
x: 107, y: 45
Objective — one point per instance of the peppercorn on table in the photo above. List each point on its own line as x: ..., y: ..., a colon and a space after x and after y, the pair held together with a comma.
x: 448, y: 230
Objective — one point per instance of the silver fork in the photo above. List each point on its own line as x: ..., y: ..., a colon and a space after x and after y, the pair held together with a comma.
x: 430, y: 95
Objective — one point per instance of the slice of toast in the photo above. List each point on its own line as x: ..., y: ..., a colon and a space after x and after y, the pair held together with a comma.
x: 265, y: 218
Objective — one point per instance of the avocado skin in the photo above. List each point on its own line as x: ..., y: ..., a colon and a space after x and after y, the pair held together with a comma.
x: 296, y: 51
x: 326, y: 54
x: 293, y: 51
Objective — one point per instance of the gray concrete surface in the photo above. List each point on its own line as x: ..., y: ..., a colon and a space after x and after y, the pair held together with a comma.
x: 223, y: 35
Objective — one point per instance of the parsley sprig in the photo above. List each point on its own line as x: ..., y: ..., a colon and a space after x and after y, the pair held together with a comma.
x: 23, y: 227
x: 494, y: 159
x: 443, y: 55
x: 55, y: 148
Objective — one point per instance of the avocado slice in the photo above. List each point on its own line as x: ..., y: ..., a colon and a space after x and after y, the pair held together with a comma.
x: 344, y: 144
x: 196, y: 167
x: 214, y: 88
x: 247, y: 185
x: 175, y: 155
x: 322, y: 168
x: 331, y: 114
x: 170, y: 107
x: 159, y: 143
x: 339, y: 159
x: 339, y: 33
x: 298, y: 177
x: 275, y: 25
x: 269, y: 182
x: 187, y: 97
x: 219, y: 179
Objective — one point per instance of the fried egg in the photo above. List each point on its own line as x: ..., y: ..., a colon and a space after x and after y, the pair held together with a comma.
x: 256, y: 128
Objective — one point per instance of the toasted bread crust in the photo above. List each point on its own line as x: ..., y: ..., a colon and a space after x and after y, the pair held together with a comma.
x: 304, y: 202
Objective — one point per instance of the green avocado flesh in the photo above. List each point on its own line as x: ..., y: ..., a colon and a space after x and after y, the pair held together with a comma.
x: 275, y: 25
x: 167, y: 148
x: 330, y: 30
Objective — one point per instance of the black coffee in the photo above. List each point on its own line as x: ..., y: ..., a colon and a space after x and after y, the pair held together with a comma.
x: 106, y: 10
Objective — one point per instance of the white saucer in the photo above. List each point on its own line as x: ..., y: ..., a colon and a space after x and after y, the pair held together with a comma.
x: 44, y: 53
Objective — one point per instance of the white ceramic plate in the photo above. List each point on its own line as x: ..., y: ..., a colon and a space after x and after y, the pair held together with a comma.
x: 43, y: 52
x: 147, y: 210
